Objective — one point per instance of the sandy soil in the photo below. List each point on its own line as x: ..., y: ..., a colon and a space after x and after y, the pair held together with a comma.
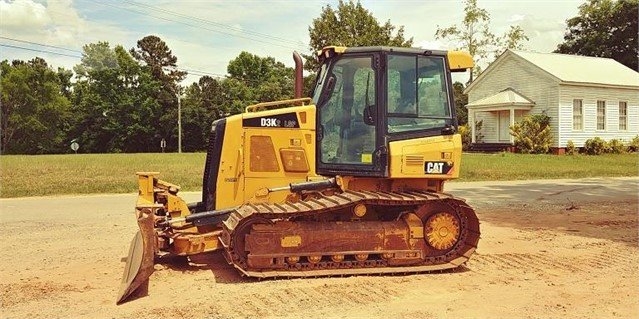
x: 534, y: 261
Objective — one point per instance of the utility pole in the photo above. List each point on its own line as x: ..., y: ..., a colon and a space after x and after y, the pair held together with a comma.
x: 179, y: 119
x: 179, y: 123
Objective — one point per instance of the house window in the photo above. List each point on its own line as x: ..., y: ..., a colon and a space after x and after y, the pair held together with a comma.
x: 623, y: 116
x: 577, y: 115
x: 601, y: 115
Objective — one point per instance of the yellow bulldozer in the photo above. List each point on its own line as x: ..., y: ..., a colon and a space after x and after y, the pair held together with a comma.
x: 349, y: 181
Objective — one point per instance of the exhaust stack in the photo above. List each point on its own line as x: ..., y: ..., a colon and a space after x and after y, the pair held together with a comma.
x: 299, y: 77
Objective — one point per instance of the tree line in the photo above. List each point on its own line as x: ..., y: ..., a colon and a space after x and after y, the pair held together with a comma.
x: 119, y: 100
x: 126, y: 100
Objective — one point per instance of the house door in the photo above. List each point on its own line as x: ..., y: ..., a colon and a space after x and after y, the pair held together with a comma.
x: 504, y: 126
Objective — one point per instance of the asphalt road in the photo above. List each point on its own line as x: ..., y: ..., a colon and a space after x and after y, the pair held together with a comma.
x: 478, y: 195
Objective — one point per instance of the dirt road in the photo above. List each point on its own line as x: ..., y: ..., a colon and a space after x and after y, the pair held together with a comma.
x: 548, y: 249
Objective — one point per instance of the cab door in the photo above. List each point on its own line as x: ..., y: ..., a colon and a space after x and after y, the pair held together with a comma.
x: 348, y: 139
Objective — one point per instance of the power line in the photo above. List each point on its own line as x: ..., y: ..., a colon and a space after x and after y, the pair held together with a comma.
x: 201, y: 73
x: 40, y: 44
x: 218, y: 75
x: 37, y: 50
x: 199, y: 27
x: 205, y: 21
x: 189, y: 71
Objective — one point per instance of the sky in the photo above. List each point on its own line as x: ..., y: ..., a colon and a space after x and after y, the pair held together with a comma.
x: 206, y: 35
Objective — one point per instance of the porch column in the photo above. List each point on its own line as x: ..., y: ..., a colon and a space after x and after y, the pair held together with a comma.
x: 512, y: 122
x: 471, y: 119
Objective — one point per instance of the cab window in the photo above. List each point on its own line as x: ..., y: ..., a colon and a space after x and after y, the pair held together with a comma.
x: 417, y: 96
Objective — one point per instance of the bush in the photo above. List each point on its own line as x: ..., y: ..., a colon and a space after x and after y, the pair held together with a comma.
x: 615, y: 146
x: 570, y: 148
x: 633, y: 146
x: 464, y: 131
x: 595, y: 146
x: 532, y: 134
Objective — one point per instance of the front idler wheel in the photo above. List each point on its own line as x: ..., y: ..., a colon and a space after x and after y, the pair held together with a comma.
x: 442, y: 231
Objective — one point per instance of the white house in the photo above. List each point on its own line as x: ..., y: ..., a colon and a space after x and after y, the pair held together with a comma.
x: 583, y: 96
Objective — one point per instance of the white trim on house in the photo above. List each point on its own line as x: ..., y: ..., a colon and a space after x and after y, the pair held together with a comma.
x: 507, y: 97
x: 597, y: 85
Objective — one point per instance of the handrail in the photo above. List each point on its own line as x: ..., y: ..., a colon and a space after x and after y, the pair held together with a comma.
x: 276, y: 104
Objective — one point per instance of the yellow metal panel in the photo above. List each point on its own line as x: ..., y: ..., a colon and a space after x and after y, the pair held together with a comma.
x: 230, y: 181
x: 176, y: 206
x: 239, y: 183
x: 281, y: 140
x: 145, y: 185
x: 460, y: 61
x: 411, y: 158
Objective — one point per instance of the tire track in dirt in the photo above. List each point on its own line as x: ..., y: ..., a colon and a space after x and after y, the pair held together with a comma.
x: 515, y: 263
x: 598, y: 261
x: 623, y: 259
x: 293, y: 297
x: 300, y: 296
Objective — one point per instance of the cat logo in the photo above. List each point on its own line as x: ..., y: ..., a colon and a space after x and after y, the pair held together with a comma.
x: 266, y: 122
x: 434, y: 168
x: 438, y: 167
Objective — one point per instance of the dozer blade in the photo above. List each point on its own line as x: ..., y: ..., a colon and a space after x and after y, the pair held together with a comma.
x: 139, y: 263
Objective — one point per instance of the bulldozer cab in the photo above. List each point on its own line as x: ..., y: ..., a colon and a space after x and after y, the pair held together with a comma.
x: 368, y: 97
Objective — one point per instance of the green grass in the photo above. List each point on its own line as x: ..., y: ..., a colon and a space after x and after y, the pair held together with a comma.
x: 94, y: 173
x: 508, y: 166
x: 23, y: 175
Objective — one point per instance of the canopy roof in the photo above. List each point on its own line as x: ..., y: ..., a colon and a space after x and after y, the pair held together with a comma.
x: 506, y: 99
